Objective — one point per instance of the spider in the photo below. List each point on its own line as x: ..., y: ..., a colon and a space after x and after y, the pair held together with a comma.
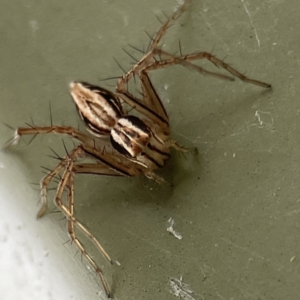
x: 135, y: 145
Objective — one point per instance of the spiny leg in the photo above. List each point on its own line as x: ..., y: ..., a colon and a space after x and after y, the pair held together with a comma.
x: 147, y: 60
x: 44, y: 185
x: 150, y: 96
x: 68, y: 164
x: 34, y: 130
x: 154, y: 108
x: 135, y: 169
x: 148, y: 57
x: 182, y: 60
x: 142, y: 107
x: 114, y: 161
x: 163, y: 29
x: 96, y: 169
x: 67, y: 182
x: 202, y: 55
x: 151, y: 105
x: 74, y: 239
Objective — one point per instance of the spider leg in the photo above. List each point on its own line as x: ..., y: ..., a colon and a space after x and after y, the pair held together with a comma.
x: 96, y: 169
x: 113, y: 161
x: 115, y: 165
x: 148, y: 57
x: 67, y: 182
x: 68, y: 211
x: 151, y: 97
x: 151, y: 105
x: 144, y: 108
x: 44, y: 185
x: 205, y: 55
x: 181, y: 60
x: 163, y: 29
x: 34, y: 130
x: 154, y: 108
x: 68, y: 164
x: 75, y: 240
x: 108, y: 164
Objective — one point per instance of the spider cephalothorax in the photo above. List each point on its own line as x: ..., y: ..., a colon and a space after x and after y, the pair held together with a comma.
x: 135, y: 144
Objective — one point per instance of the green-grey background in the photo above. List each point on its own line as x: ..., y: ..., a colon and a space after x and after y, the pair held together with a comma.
x: 236, y: 204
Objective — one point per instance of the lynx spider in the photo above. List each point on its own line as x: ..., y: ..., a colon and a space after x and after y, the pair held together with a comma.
x: 138, y: 145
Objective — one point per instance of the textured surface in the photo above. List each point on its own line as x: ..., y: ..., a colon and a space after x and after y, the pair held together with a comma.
x: 236, y: 204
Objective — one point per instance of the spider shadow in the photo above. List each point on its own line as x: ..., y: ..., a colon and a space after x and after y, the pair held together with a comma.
x: 232, y: 114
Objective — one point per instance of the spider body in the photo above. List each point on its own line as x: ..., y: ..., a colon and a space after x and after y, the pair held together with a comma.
x: 134, y: 145
x: 142, y: 142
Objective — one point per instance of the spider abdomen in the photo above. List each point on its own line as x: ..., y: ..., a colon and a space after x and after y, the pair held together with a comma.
x: 130, y: 136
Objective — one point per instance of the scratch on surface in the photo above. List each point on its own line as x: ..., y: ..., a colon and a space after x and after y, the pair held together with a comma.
x: 170, y: 229
x: 254, y: 254
x: 180, y: 289
x: 216, y: 273
x: 275, y: 264
x: 150, y: 243
x: 252, y: 24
